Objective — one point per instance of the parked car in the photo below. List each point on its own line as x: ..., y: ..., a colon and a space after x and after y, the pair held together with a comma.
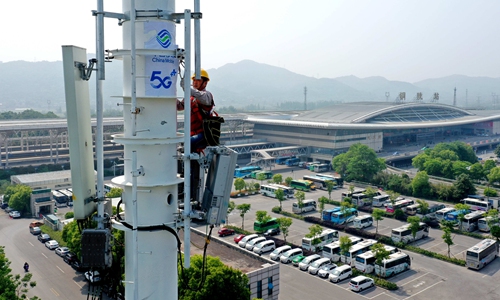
x: 360, y: 283
x: 36, y: 224
x: 93, y: 276
x: 15, y: 214
x: 225, y: 231
x: 44, y: 237
x: 251, y: 243
x: 247, y: 239
x: 62, y: 251
x: 340, y: 273
x: 325, y: 270
x: 5, y: 205
x: 297, y: 260
x: 306, y: 262
x: 275, y: 255
x: 52, y: 244
x: 316, y: 265
x: 8, y: 209
x: 35, y: 230
x: 70, y: 257
x: 264, y: 246
x: 77, y: 265
x: 289, y: 255
x: 238, y: 238
x: 272, y: 231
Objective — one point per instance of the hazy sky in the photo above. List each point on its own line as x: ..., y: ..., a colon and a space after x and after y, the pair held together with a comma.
x: 407, y: 40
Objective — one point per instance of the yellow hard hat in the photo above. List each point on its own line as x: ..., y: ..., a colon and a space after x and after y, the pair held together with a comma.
x: 204, y: 74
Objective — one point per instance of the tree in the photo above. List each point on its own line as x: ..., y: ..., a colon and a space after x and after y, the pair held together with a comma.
x: 393, y: 196
x: 230, y: 209
x: 495, y: 232
x: 262, y: 216
x: 447, y: 238
x: 300, y: 196
x: 360, y: 162
x: 218, y: 279
x: 370, y: 193
x: 497, y: 151
x: 284, y: 224
x: 114, y: 193
x: 345, y: 244
x: 490, y: 192
x: 494, y: 176
x: 329, y: 187
x: 322, y: 201
x: 314, y: 231
x: 288, y: 180
x: 424, y: 207
x: 72, y: 236
x: 377, y: 215
x: 492, y: 217
x: 345, y: 209
x: 261, y: 177
x: 280, y: 195
x: 380, y: 253
x: 239, y: 184
x: 277, y: 178
x: 488, y: 165
x: 16, y: 286
x: 420, y: 184
x: 463, y: 186
x: 476, y: 172
x: 19, y: 197
x: 414, y: 225
x: 243, y: 208
x: 462, y: 211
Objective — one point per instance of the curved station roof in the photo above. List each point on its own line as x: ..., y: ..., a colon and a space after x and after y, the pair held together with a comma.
x: 383, y: 115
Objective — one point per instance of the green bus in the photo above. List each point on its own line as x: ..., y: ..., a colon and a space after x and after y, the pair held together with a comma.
x: 268, y: 174
x: 261, y: 227
x: 303, y: 185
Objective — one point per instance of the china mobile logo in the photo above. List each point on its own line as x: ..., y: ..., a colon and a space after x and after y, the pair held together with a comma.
x: 164, y: 38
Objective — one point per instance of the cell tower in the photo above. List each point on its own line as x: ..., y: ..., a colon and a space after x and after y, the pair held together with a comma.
x: 455, y: 96
x: 400, y: 98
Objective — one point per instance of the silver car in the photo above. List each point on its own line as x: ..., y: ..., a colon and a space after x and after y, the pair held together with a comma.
x: 304, y: 264
x: 325, y: 270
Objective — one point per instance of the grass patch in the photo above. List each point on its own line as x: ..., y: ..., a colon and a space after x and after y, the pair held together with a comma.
x: 55, y: 235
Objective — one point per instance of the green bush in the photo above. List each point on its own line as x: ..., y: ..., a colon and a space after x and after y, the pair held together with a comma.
x: 55, y: 235
x: 238, y: 230
x: 69, y: 215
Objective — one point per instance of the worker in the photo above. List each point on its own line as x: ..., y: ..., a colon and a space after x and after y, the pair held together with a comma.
x: 202, y: 104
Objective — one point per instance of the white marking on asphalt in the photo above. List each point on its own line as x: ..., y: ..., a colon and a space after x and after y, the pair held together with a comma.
x: 54, y: 291
x: 423, y: 290
x: 384, y: 293
x: 77, y: 284
x: 31, y: 244
x: 60, y: 269
x: 432, y: 246
x: 413, y: 279
x: 44, y: 255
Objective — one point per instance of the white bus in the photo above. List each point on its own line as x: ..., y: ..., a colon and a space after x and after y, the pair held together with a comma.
x: 349, y: 194
x: 440, y: 214
x: 108, y: 187
x: 470, y: 220
x: 332, y: 251
x: 411, y: 210
x: 365, y: 262
x: 270, y: 190
x: 380, y: 200
x: 307, y: 205
x: 483, y: 224
x: 396, y: 263
x: 403, y: 233
x: 360, y: 199
x: 350, y: 257
x: 481, y: 254
x: 476, y: 204
x: 326, y: 237
x: 288, y: 190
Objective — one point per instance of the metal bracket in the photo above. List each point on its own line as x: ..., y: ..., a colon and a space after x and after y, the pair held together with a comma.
x: 121, y: 17
x: 85, y: 71
x: 138, y: 172
x: 177, y: 17
x: 180, y: 53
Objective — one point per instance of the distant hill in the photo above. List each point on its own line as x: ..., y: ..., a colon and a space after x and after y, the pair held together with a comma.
x: 40, y: 86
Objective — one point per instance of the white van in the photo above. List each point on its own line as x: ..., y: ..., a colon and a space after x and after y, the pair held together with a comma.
x: 251, y: 243
x: 340, y: 273
x: 288, y: 256
x: 264, y: 246
x: 304, y: 264
x: 363, y: 221
x: 275, y: 255
x: 411, y: 210
x: 315, y: 266
x: 246, y: 239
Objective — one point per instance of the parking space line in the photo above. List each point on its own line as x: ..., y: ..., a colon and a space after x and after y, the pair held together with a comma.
x: 433, y: 246
x: 31, y: 244
x: 423, y: 290
x: 54, y: 291
x: 77, y: 284
x: 60, y: 269
x: 414, y: 279
x: 384, y: 293
x: 44, y: 255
